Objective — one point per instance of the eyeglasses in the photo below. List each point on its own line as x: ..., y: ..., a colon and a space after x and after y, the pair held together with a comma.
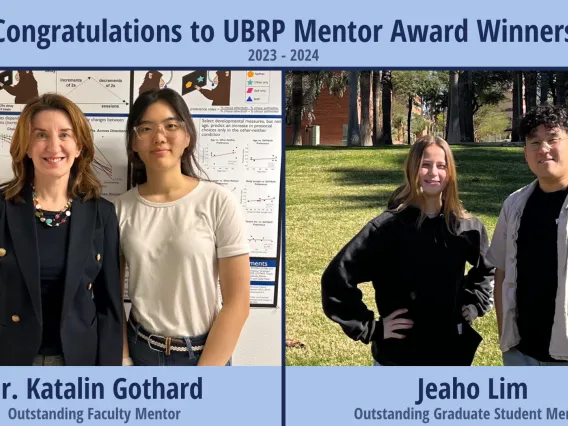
x: 171, y: 128
x: 537, y: 145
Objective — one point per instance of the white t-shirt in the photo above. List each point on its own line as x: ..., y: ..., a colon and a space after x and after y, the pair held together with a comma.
x: 171, y: 250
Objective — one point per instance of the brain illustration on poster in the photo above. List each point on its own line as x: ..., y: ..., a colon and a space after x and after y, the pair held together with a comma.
x: 238, y: 117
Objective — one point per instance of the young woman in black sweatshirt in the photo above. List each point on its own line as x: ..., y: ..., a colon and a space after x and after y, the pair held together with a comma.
x: 415, y: 255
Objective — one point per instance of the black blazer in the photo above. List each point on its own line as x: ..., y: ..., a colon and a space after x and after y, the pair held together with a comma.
x: 91, y: 320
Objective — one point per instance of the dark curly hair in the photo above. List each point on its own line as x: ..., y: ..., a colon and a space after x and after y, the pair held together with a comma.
x: 549, y: 116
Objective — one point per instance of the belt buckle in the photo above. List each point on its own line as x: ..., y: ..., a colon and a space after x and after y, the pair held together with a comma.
x: 150, y: 343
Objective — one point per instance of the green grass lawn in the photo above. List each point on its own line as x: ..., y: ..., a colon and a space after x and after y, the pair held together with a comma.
x: 331, y: 193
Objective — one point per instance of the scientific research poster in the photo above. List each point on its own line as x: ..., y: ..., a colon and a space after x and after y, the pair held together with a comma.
x: 238, y: 116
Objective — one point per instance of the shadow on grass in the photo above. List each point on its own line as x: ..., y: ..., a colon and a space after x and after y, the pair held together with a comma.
x: 486, y: 177
x: 345, y: 148
x: 361, y: 177
x: 376, y: 201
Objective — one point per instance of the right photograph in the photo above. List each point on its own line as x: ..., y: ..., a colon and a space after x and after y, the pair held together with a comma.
x: 426, y: 218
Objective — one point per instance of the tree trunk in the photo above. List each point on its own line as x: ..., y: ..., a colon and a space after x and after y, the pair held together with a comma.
x: 462, y: 102
x: 465, y: 107
x: 353, y: 131
x: 531, y: 89
x: 447, y: 123
x: 386, y: 81
x: 365, y: 82
x: 552, y: 85
x: 517, y: 105
x: 544, y: 87
x: 561, y: 88
x: 469, y: 128
x: 297, y: 100
x: 376, y: 107
x: 453, y: 110
x: 409, y: 118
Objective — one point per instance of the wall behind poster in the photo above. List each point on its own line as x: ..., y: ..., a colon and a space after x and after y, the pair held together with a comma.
x: 238, y: 116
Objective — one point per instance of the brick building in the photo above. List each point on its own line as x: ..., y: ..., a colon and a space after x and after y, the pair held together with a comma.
x: 332, y: 117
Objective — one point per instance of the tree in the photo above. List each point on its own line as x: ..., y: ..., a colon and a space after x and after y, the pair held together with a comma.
x: 410, y: 85
x: 453, y: 127
x: 561, y: 88
x: 376, y: 107
x: 297, y: 101
x: 300, y: 104
x: 531, y: 89
x: 466, y: 95
x: 435, y: 100
x: 365, y: 83
x: 544, y: 80
x: 517, y: 104
x: 490, y: 123
x: 386, y: 82
x: 476, y: 89
x: 353, y: 131
x: 552, y: 85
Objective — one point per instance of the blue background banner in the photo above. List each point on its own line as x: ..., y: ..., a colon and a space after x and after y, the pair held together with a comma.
x: 295, y: 34
x: 225, y: 396
x: 474, y: 396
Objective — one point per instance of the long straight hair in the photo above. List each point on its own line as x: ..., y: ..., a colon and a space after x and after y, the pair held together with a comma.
x: 410, y: 193
x: 189, y: 165
x: 82, y: 180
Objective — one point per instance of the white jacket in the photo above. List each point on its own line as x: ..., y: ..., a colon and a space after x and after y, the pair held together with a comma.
x: 503, y: 255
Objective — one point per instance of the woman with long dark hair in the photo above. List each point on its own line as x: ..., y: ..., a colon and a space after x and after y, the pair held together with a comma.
x: 180, y: 236
x: 415, y: 255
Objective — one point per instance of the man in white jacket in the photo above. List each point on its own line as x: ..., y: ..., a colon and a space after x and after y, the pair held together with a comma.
x: 529, y: 249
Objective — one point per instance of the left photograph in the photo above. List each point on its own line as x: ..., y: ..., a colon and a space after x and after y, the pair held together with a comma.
x: 140, y: 218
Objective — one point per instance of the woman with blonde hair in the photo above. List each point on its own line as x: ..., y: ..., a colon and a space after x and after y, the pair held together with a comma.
x: 60, y: 299
x: 415, y: 255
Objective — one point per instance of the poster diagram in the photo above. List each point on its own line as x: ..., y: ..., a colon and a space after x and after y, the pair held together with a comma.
x: 251, y: 146
x: 260, y: 201
x: 111, y: 163
x: 236, y: 146
x: 7, y: 127
x: 243, y: 154
x: 96, y: 91
x: 17, y: 87
x: 92, y: 91
x: 219, y: 91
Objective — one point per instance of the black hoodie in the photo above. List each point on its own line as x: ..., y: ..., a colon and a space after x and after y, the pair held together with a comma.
x: 421, y: 269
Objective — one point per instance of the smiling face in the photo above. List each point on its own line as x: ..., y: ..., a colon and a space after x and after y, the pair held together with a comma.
x: 52, y: 144
x: 548, y: 161
x: 160, y: 139
x: 433, y: 177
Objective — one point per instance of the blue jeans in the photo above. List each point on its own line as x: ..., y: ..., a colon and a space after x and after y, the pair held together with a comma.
x: 143, y: 354
x: 515, y: 358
